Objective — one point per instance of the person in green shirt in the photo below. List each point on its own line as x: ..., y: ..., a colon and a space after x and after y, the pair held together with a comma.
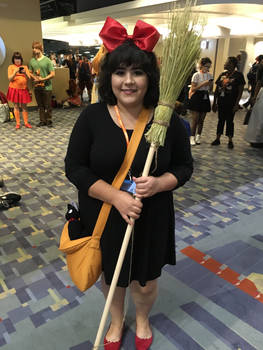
x: 42, y: 71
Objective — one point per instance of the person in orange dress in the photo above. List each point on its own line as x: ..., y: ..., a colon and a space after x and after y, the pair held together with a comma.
x: 18, y: 93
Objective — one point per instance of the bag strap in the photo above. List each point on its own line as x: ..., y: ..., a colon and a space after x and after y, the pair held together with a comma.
x: 122, y: 173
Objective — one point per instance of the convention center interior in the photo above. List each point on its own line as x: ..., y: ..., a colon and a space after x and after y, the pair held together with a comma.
x: 131, y: 174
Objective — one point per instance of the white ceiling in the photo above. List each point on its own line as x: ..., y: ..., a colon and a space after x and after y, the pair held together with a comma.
x: 83, y: 28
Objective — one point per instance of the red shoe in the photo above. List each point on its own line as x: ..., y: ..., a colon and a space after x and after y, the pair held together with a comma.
x: 112, y: 345
x: 27, y: 125
x: 17, y: 126
x: 143, y: 344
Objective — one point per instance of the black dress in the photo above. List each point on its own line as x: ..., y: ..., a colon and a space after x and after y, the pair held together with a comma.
x: 96, y: 150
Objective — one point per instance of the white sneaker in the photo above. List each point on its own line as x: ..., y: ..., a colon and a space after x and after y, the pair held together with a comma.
x: 192, y: 140
x: 197, y: 139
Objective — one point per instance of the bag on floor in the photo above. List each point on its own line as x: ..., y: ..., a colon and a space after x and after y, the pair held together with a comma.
x: 4, y: 113
x: 247, y: 117
x: 9, y: 200
x: 3, y: 98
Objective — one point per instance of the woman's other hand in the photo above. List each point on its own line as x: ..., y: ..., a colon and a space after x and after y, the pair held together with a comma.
x: 128, y: 206
x: 146, y: 186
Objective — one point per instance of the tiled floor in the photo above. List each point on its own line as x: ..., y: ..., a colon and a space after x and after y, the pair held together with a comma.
x: 207, y: 301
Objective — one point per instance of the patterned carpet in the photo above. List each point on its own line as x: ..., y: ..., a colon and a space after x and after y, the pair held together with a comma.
x: 210, y: 300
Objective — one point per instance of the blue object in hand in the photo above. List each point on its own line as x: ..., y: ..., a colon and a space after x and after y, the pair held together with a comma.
x: 129, y: 186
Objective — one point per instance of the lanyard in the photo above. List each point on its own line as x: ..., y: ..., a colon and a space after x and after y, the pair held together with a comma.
x: 121, y: 124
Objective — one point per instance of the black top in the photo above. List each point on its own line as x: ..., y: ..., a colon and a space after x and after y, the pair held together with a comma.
x: 84, y: 73
x: 228, y: 87
x: 252, y: 73
x: 260, y: 73
x: 71, y: 64
x: 96, y: 150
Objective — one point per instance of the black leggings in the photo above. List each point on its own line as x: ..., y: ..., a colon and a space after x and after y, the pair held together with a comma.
x: 225, y: 115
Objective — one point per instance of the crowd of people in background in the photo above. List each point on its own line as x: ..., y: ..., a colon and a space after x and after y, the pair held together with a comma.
x: 229, y: 87
x: 194, y: 97
x: 80, y: 76
x: 41, y: 70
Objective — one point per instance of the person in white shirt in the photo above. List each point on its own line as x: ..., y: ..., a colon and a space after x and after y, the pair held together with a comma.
x: 199, y: 103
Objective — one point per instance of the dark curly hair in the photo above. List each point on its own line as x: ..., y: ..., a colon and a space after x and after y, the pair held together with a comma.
x: 233, y: 60
x: 17, y: 55
x: 204, y: 61
x: 259, y: 58
x: 128, y: 54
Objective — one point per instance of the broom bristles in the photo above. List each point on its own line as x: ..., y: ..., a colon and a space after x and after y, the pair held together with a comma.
x: 180, y: 51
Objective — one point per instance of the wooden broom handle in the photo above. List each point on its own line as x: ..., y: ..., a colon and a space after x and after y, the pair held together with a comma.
x: 123, y: 250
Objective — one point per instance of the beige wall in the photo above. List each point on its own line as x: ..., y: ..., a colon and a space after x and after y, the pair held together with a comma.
x: 245, y: 44
x: 236, y: 44
x: 222, y: 54
x: 210, y: 52
x: 250, y: 50
x: 20, y: 24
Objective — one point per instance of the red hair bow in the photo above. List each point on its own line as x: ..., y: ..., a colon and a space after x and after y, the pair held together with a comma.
x: 113, y: 34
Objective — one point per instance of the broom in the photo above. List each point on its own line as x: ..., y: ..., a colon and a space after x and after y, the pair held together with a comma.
x: 180, y: 52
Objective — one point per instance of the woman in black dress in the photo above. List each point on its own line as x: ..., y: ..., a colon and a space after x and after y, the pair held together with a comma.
x: 229, y: 89
x: 129, y: 82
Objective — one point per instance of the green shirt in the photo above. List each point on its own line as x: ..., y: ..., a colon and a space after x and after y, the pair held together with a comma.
x: 45, y: 66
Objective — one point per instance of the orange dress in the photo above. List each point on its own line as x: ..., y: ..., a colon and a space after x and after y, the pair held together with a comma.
x: 17, y: 89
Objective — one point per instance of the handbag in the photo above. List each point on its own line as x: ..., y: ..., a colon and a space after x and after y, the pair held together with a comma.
x: 247, y: 117
x: 4, y: 112
x: 83, y: 255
